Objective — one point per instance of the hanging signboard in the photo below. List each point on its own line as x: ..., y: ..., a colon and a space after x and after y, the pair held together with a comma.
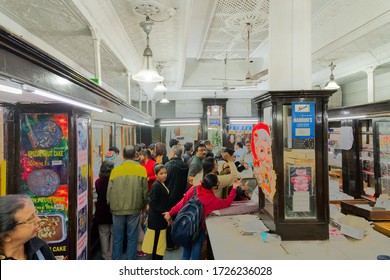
x: 303, y: 120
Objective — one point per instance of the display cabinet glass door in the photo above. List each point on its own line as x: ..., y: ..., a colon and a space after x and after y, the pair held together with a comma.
x: 383, y: 132
x: 366, y: 158
x: 299, y: 161
x: 334, y: 156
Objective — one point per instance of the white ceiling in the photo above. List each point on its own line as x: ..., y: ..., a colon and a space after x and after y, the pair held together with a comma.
x: 192, y: 45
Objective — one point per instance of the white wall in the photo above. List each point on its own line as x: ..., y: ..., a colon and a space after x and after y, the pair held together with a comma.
x: 189, y: 108
x: 239, y: 108
x: 355, y: 93
x: 193, y: 108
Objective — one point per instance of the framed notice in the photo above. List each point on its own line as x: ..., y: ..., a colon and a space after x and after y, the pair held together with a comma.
x: 303, y: 120
x: 215, y: 122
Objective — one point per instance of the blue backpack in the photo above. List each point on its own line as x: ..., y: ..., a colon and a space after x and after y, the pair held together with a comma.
x: 187, y: 225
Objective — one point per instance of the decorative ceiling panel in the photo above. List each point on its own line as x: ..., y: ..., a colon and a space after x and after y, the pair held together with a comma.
x: 228, y: 31
x: 58, y: 23
x: 164, y: 35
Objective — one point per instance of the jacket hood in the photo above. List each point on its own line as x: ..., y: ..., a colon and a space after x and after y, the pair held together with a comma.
x: 205, y: 196
x: 179, y: 165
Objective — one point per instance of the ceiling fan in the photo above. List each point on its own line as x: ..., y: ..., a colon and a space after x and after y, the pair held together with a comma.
x: 249, y: 78
x: 225, y: 86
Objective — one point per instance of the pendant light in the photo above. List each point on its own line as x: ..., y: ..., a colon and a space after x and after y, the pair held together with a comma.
x: 160, y: 87
x: 148, y: 73
x: 164, y: 100
x: 332, y: 82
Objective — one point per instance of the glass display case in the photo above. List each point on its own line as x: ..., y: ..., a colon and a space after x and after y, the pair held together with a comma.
x: 366, y: 158
x: 383, y: 146
x: 299, y: 210
x: 366, y: 166
x: 335, y: 157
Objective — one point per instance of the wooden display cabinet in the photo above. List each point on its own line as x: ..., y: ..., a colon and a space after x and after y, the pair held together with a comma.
x: 299, y: 209
x: 366, y: 166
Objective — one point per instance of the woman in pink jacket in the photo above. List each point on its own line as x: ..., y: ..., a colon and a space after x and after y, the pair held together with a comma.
x: 210, y: 203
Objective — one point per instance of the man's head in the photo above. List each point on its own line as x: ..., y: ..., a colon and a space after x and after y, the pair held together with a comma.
x: 188, y: 147
x: 200, y: 151
x: 238, y: 145
x: 176, y: 151
x: 129, y: 152
x: 248, y: 145
x: 208, y: 145
x: 173, y: 142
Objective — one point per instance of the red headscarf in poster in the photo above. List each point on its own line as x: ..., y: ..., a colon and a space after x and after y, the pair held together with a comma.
x: 262, y: 165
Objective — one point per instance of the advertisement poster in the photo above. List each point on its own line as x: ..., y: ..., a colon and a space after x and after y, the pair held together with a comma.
x: 82, y: 188
x: 238, y: 133
x: 303, y: 120
x: 300, y: 187
x: 44, y: 174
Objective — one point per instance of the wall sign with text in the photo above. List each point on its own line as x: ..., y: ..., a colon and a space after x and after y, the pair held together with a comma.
x: 303, y: 119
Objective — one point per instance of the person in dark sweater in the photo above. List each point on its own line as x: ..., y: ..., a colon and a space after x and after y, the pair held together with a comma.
x: 177, y: 172
x: 103, y: 216
x: 155, y: 242
x: 19, y: 227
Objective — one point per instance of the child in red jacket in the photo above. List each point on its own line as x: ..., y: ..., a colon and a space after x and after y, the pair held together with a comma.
x: 210, y: 203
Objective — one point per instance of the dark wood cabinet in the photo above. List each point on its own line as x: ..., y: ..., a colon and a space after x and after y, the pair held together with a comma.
x: 366, y: 166
x: 299, y: 209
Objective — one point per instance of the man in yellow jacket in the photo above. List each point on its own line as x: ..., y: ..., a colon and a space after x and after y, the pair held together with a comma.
x: 127, y: 195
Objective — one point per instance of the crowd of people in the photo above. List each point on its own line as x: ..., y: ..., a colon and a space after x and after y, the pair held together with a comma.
x: 139, y: 192
x: 148, y: 188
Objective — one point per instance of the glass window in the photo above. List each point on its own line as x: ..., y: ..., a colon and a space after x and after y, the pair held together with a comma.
x: 299, y: 160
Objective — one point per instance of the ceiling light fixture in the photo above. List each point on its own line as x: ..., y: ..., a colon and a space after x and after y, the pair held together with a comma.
x: 65, y: 100
x: 160, y: 87
x: 164, y: 99
x: 244, y: 121
x: 179, y: 123
x: 332, y: 82
x: 182, y: 121
x: 148, y: 73
x: 136, y: 122
x: 10, y: 89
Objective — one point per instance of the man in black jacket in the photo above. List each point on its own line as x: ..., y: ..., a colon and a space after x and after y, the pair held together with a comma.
x: 177, y: 172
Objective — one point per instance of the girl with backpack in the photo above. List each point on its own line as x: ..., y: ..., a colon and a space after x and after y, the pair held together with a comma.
x: 155, y: 240
x: 210, y: 203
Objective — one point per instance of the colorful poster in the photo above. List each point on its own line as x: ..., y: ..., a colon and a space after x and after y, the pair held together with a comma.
x: 300, y: 179
x: 248, y: 129
x: 303, y: 120
x: 44, y: 174
x: 261, y: 145
x: 82, y: 187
